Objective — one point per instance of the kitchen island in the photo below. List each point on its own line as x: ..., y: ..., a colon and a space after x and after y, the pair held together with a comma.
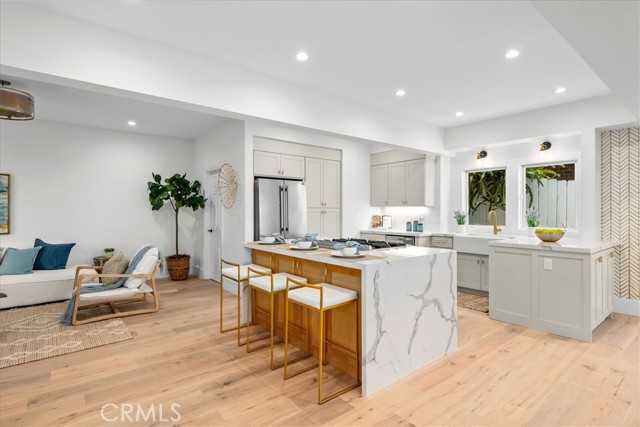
x: 565, y: 287
x: 407, y: 303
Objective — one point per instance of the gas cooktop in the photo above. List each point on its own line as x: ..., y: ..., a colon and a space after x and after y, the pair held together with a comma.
x: 374, y: 244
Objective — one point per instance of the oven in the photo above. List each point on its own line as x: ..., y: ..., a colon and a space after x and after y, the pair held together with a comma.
x: 405, y: 240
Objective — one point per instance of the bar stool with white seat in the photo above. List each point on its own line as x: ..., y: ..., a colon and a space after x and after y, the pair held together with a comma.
x: 321, y: 298
x: 272, y: 285
x: 240, y: 275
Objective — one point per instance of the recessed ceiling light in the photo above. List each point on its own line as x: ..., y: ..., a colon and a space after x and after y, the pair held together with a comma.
x: 512, y: 54
x: 560, y: 90
x: 131, y: 123
x: 459, y: 114
x: 302, y: 56
x: 400, y: 92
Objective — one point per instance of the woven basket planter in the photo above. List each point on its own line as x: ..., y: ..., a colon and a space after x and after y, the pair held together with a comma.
x: 178, y: 266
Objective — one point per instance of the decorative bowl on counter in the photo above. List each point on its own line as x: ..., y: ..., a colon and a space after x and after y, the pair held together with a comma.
x: 549, y: 234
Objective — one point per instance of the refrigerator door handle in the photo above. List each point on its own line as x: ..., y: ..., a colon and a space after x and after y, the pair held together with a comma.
x: 286, y: 210
x: 281, y: 210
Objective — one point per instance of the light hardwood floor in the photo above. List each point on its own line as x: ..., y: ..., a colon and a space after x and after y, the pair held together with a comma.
x: 500, y: 375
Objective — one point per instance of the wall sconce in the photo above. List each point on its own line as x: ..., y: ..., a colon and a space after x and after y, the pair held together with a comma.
x: 481, y: 155
x: 545, y: 146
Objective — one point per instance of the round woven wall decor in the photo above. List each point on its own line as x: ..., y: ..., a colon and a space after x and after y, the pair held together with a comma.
x: 227, y: 185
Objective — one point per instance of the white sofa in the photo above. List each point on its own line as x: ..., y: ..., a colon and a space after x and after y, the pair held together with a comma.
x: 38, y: 287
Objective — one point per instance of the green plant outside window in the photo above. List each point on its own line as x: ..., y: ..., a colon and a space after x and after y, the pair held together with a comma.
x: 486, y: 192
x: 550, y: 196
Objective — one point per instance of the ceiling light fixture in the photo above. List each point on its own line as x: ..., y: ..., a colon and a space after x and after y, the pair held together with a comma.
x: 131, y: 123
x: 512, y: 54
x: 15, y: 104
x: 545, y: 146
x: 302, y: 56
x: 560, y: 90
x: 459, y: 114
x: 481, y: 155
x: 401, y: 92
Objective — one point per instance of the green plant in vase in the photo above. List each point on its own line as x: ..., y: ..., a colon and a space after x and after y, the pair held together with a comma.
x: 461, y: 220
x: 460, y: 217
x: 533, y: 220
x: 180, y: 193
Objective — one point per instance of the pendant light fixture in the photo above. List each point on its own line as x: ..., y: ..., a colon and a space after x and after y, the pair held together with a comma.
x: 15, y: 104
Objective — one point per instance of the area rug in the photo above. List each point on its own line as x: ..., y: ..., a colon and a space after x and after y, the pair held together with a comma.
x: 473, y: 302
x: 34, y: 333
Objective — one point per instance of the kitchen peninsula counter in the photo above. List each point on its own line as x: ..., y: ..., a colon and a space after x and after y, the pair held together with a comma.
x: 407, y: 300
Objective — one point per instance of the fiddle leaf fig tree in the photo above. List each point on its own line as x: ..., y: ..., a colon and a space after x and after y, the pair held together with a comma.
x: 179, y: 191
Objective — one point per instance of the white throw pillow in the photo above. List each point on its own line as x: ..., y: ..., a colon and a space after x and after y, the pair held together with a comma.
x: 145, y: 266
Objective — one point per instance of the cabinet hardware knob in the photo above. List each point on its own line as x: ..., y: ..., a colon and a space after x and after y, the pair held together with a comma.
x: 610, y: 254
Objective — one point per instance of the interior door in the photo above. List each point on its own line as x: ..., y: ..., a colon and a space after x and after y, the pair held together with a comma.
x: 213, y: 234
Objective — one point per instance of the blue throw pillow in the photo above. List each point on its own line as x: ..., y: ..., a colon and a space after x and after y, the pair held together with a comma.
x: 52, y: 256
x: 18, y: 261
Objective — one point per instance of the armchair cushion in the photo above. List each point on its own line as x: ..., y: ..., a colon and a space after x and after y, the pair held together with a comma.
x: 117, y: 264
x: 144, y: 266
x: 52, y: 256
x: 18, y: 261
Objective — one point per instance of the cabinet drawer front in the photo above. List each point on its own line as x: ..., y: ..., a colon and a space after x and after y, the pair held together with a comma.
x: 442, y: 242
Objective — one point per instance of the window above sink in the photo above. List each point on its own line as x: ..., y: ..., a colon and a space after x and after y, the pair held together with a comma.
x: 549, y: 195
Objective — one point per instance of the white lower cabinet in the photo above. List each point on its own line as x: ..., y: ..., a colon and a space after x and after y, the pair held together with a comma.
x: 325, y: 222
x: 564, y: 293
x: 473, y: 272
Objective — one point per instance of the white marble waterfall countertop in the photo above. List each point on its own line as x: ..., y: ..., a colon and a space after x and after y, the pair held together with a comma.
x: 563, y: 245
x: 371, y: 258
x: 408, y: 308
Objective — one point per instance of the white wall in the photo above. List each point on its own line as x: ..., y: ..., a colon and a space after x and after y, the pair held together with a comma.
x: 41, y: 45
x: 224, y: 144
x: 513, y: 157
x: 356, y: 209
x: 89, y: 186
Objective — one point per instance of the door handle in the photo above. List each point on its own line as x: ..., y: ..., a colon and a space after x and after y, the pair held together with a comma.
x: 281, y: 210
x: 210, y: 230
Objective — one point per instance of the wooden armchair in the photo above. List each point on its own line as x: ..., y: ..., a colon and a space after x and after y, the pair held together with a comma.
x: 114, y: 298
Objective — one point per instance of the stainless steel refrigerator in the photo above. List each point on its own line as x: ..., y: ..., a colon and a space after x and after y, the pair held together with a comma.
x: 279, y: 206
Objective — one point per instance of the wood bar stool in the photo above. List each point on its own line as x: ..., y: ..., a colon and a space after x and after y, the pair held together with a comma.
x: 321, y: 298
x: 240, y: 274
x: 272, y: 285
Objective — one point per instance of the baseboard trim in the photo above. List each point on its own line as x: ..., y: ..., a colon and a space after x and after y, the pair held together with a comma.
x: 626, y: 306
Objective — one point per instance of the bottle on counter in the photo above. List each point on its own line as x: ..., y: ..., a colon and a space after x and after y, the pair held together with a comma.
x: 415, y: 225
x: 408, y: 226
x: 420, y: 228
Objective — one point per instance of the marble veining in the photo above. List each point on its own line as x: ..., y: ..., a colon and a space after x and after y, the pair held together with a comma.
x: 425, y: 302
x: 371, y: 354
x: 409, y: 313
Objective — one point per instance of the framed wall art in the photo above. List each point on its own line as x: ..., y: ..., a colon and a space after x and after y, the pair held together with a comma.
x: 5, y: 199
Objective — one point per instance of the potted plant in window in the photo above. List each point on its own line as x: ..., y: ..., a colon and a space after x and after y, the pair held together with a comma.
x: 179, y: 192
x: 533, y: 220
x: 461, y: 219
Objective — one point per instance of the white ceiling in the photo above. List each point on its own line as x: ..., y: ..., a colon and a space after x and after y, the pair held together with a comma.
x: 447, y: 55
x: 63, y: 104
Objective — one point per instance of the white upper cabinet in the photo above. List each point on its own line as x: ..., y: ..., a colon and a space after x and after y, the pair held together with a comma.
x: 404, y: 183
x: 278, y: 165
x: 323, y: 183
x: 397, y: 184
x: 415, y: 183
x: 292, y: 166
x: 379, y: 185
